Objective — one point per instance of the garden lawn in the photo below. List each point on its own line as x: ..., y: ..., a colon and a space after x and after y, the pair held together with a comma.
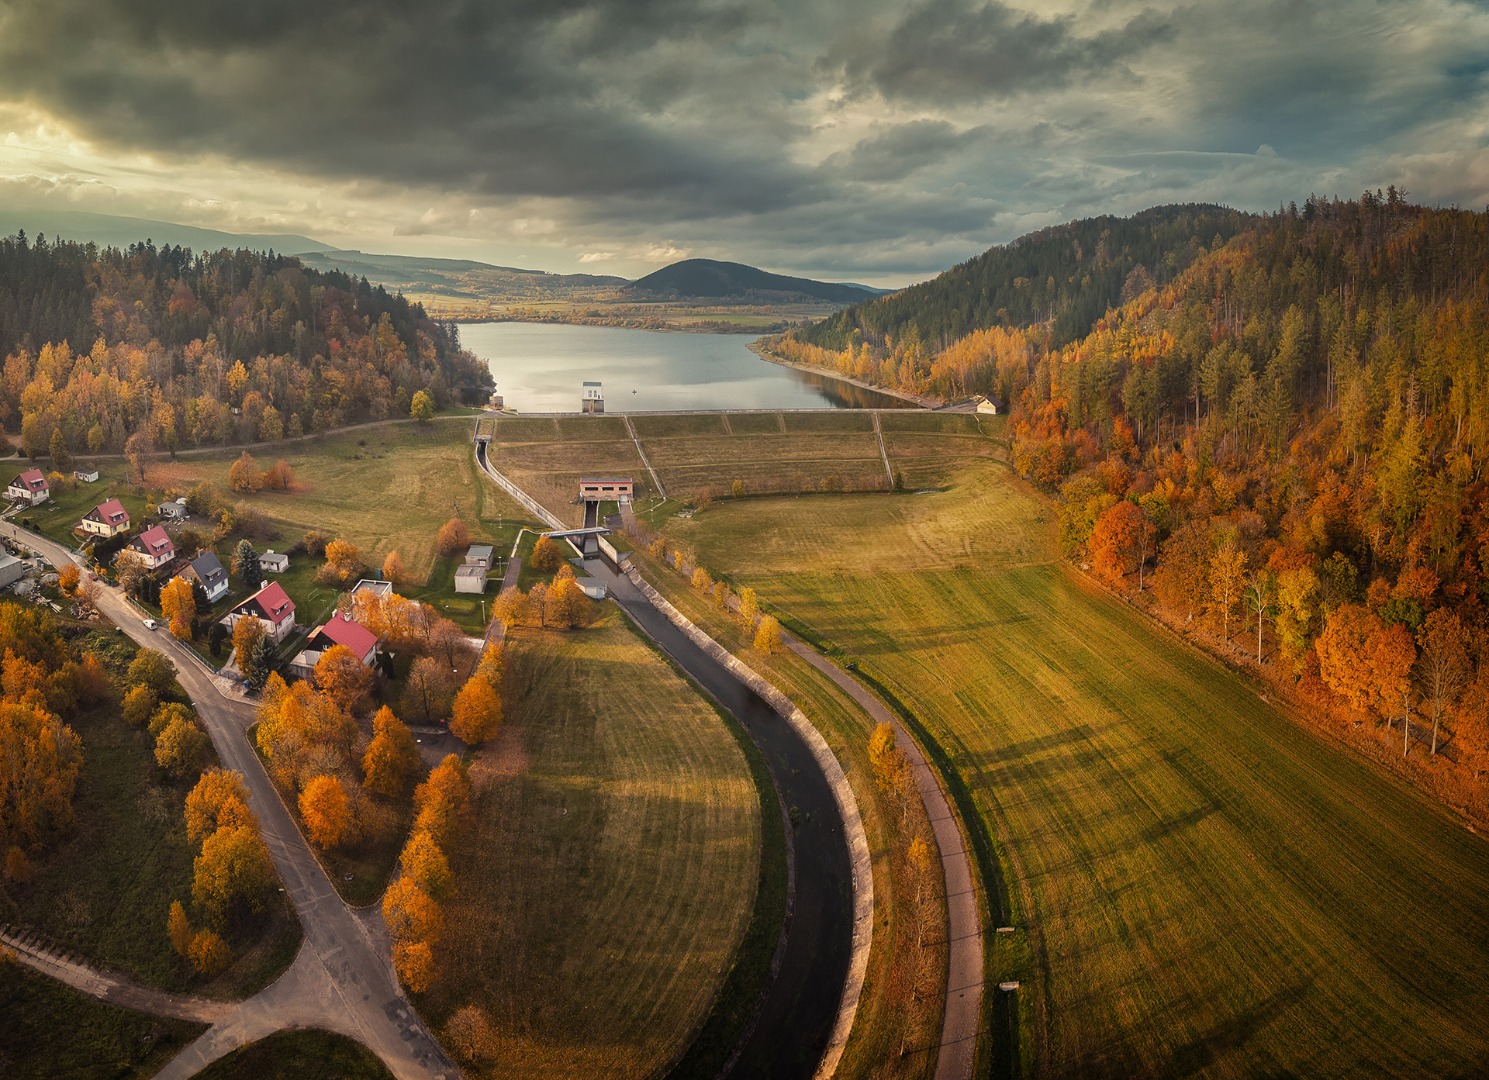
x: 610, y: 865
x: 1198, y: 883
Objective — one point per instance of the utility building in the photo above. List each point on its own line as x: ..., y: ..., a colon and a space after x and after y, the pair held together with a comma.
x: 592, y: 398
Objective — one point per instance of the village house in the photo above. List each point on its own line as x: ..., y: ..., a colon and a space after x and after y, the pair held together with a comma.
x: 155, y: 547
x: 29, y: 487
x: 340, y: 629
x: 270, y: 606
x: 373, y: 588
x: 988, y: 406
x: 106, y: 519
x: 274, y: 562
x: 207, y: 568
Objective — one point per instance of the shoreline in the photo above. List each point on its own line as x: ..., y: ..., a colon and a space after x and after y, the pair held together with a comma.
x: 925, y: 401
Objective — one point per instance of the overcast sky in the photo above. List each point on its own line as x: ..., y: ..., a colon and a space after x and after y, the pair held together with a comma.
x: 865, y: 140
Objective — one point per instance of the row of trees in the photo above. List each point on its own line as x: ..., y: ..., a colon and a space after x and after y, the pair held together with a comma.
x: 179, y: 740
x: 198, y: 350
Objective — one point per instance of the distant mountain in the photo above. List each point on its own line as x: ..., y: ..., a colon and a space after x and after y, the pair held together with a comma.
x: 1066, y: 276
x: 454, y: 278
x: 110, y: 230
x: 707, y: 278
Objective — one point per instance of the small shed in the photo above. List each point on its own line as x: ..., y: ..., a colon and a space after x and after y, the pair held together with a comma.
x: 479, y: 555
x: 989, y: 406
x: 174, y: 510
x: 87, y: 476
x: 593, y: 589
x: 274, y: 562
x: 470, y: 579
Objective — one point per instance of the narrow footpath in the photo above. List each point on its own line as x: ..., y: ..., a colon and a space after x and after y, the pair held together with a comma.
x: 342, y: 980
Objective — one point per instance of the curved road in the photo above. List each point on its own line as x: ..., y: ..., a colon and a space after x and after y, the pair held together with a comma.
x: 342, y: 979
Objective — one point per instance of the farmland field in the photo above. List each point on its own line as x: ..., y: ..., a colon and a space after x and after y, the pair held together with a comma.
x: 1199, y: 885
x: 611, y: 864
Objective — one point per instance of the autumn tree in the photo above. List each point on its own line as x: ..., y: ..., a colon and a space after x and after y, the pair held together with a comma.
x: 477, y: 712
x: 131, y: 572
x: 68, y: 576
x: 393, y: 568
x: 233, y: 873
x: 58, y: 452
x: 922, y: 862
x: 768, y: 635
x: 414, y: 962
x: 248, y: 632
x: 1257, y: 595
x: 1443, y: 664
x: 244, y: 474
x: 279, y: 476
x: 153, y: 669
x: 567, y: 605
x: 425, y: 864
x: 421, y: 408
x: 1116, y: 540
x: 1364, y: 660
x: 546, y: 556
x: 246, y: 565
x: 428, y: 691
x: 1297, y: 611
x: 537, y: 602
x: 411, y: 914
x: 1227, y: 579
x: 441, y: 799
x: 179, y: 747
x: 341, y: 674
x: 702, y: 580
x: 137, y: 450
x: 343, y: 564
x: 391, y: 757
x: 178, y: 605
x: 890, y: 765
x: 219, y: 800
x: 510, y: 607
x: 327, y: 812
x: 470, y: 1035
x: 139, y: 705
x: 208, y: 953
x: 749, y: 605
x: 178, y: 927
x: 453, y: 538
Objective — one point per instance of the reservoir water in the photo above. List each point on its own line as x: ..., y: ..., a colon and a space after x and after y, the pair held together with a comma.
x: 539, y: 367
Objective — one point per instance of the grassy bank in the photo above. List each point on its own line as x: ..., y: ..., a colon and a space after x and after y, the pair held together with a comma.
x: 610, y: 865
x: 299, y: 1055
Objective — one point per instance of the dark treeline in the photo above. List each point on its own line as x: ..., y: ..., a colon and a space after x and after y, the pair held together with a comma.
x: 1065, y: 278
x: 200, y: 349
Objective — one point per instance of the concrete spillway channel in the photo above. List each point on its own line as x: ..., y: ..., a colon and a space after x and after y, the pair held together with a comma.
x: 803, y: 1004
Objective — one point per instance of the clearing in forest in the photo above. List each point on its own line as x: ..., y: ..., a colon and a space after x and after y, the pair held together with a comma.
x: 1197, y: 882
x: 610, y: 866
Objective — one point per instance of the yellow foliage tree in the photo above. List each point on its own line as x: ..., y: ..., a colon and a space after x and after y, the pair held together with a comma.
x: 425, y: 864
x: 208, y: 953
x: 179, y: 928
x: 244, y: 474
x: 477, y: 713
x: 68, y: 576
x: 327, y: 812
x: 178, y: 604
x: 547, y: 556
x: 393, y: 568
x: 768, y: 635
x: 179, y: 746
x: 343, y: 563
x: 139, y: 705
x: 233, y: 872
x: 219, y: 799
x: 440, y: 799
x: 391, y: 756
x: 247, y: 633
x: 411, y: 914
x: 414, y: 962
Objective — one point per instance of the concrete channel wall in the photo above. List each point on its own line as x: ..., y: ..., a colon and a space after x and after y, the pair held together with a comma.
x: 858, y: 844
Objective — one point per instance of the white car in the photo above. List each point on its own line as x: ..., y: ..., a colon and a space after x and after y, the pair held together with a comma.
x: 151, y: 624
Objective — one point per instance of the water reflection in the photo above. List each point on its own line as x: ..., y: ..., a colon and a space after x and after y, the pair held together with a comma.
x: 539, y: 368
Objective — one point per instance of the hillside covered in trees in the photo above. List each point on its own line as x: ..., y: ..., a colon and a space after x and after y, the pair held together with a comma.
x: 1279, y: 443
x: 200, y: 349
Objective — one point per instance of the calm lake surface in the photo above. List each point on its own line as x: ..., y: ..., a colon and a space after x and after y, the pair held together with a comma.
x: 539, y: 367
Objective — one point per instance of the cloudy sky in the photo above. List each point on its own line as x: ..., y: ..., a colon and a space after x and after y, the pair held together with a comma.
x: 852, y: 140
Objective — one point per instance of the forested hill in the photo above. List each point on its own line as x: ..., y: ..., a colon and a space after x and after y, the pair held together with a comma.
x: 195, y: 350
x: 1290, y: 436
x: 707, y: 278
x: 1066, y: 277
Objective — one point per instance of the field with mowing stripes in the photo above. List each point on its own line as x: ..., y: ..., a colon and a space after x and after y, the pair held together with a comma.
x: 702, y: 454
x: 610, y: 866
x: 1200, y: 885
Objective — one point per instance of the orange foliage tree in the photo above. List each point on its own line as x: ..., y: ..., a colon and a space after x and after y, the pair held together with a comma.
x: 344, y: 678
x: 391, y: 757
x: 220, y: 798
x: 327, y: 812
x: 233, y: 873
x: 1118, y: 540
x: 1364, y: 660
x: 453, y: 537
x: 477, y: 713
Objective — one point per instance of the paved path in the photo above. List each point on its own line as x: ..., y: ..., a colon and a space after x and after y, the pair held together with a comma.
x: 883, y: 450
x: 959, y: 1030
x: 655, y: 479
x: 342, y: 980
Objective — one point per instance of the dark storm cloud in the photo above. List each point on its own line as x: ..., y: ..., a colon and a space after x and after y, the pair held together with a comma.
x: 953, y: 51
x: 510, y: 99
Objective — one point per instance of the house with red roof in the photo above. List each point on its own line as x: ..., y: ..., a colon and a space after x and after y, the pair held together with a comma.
x: 154, y: 546
x: 29, y: 487
x: 272, y: 606
x: 340, y: 629
x: 106, y: 519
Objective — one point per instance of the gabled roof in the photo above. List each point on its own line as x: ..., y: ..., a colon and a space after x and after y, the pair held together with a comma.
x: 32, y: 480
x: 154, y: 542
x: 271, y: 603
x: 208, y: 569
x: 345, y: 630
x: 109, y: 512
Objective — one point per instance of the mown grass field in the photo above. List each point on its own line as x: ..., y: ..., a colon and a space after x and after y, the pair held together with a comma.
x: 610, y: 865
x: 1201, y: 886
x: 52, y: 1030
x: 701, y: 455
